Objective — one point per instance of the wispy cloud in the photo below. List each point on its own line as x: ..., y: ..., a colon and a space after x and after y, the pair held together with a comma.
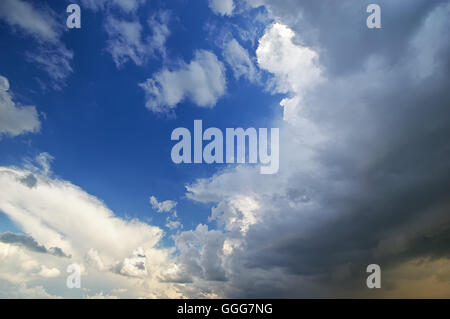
x: 45, y: 27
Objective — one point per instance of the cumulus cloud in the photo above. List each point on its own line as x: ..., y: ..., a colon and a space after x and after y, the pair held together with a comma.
x: 92, y: 258
x: 42, y: 24
x: 55, y: 213
x: 133, y: 266
x: 295, y: 68
x: 239, y: 60
x: 202, y: 81
x: 204, y: 262
x: 15, y: 119
x: 222, y: 7
x: 49, y: 272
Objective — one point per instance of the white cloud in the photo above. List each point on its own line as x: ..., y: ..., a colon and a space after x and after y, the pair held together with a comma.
x: 56, y: 213
x: 158, y: 24
x: 49, y: 272
x: 36, y: 211
x: 238, y: 213
x: 92, y: 258
x: 239, y: 60
x: 295, y: 67
x: 162, y: 207
x: 200, y: 254
x: 222, y: 7
x: 126, y: 40
x: 41, y: 23
x: 202, y: 81
x: 173, y: 224
x: 134, y: 266
x: 100, y: 295
x: 15, y: 119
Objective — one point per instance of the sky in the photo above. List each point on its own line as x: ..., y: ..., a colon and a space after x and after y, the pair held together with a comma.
x: 87, y: 178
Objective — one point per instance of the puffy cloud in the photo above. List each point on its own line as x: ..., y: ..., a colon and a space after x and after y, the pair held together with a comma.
x: 55, y: 213
x: 295, y: 68
x: 92, y: 258
x: 133, y: 266
x: 202, y: 81
x: 162, y: 207
x: 15, y: 119
x: 200, y: 254
x: 49, y: 272
x: 222, y: 7
x: 239, y: 60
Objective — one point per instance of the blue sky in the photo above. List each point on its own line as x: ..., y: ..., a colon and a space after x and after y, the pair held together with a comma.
x: 97, y: 128
x: 86, y: 175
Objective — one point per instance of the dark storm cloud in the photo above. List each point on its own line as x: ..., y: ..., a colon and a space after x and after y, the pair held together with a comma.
x: 378, y: 191
x: 338, y: 28
x: 393, y: 149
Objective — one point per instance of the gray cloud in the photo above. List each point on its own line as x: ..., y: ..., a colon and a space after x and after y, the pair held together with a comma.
x: 363, y: 175
x: 30, y: 244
